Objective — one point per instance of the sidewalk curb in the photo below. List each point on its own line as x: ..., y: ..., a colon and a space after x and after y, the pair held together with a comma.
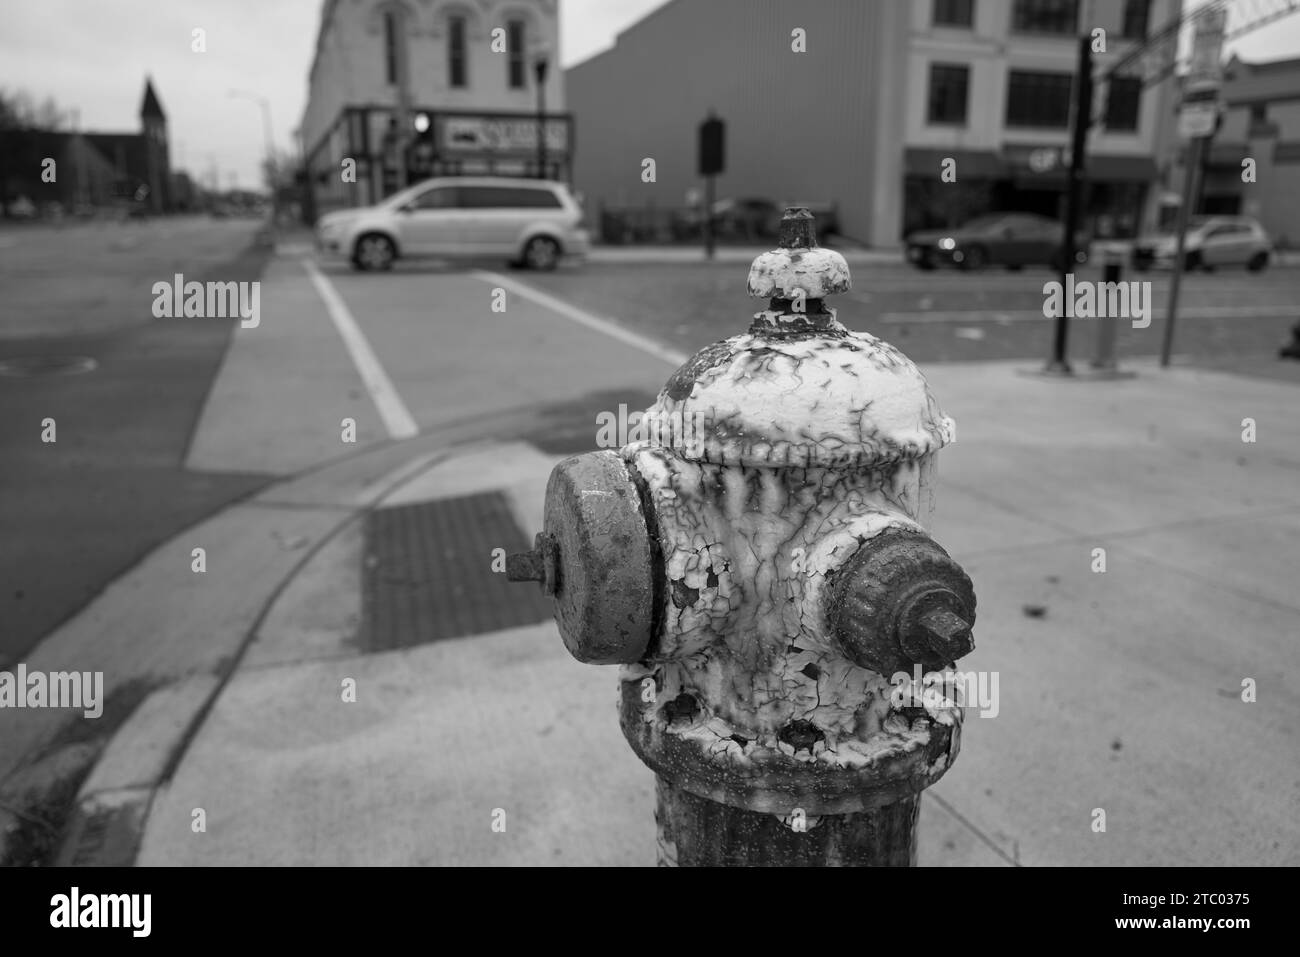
x: 108, y: 818
x: 113, y: 804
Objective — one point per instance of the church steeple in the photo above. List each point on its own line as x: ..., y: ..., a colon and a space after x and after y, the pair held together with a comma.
x: 151, y: 109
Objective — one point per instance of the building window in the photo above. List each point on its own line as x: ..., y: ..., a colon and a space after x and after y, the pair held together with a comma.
x: 515, y: 53
x: 953, y: 13
x: 456, y: 52
x: 1040, y: 100
x: 1136, y: 15
x: 390, y: 46
x: 1123, y: 103
x: 1045, y: 16
x: 1258, y: 112
x: 948, y: 85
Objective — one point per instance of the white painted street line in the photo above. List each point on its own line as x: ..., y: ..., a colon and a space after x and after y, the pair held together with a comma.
x: 397, y: 418
x: 614, y: 331
x: 1036, y: 315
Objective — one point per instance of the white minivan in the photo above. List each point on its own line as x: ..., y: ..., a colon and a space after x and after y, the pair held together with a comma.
x: 534, y: 222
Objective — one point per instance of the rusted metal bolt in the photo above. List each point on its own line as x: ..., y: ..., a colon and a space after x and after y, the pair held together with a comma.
x: 938, y: 633
x: 798, y: 229
x: 536, y: 565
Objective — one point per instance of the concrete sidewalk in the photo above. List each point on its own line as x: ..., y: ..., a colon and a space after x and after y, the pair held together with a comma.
x: 1119, y: 690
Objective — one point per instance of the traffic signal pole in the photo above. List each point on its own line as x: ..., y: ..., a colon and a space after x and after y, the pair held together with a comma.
x: 1058, y: 364
x: 709, y: 182
x: 712, y: 161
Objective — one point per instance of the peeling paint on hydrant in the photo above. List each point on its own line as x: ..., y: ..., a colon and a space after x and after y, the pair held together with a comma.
x: 760, y: 570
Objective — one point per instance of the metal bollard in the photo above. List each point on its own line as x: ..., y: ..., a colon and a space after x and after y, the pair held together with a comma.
x: 759, y: 566
x: 1108, y: 325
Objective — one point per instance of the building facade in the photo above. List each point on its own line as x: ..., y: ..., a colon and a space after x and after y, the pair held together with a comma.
x: 401, y: 90
x: 990, y: 85
x: 1260, y: 124
x: 818, y: 127
x: 865, y: 119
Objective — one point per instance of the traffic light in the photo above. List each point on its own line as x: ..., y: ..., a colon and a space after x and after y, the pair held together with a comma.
x: 713, y: 134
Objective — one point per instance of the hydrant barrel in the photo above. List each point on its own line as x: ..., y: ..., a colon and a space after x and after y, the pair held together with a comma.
x: 759, y: 566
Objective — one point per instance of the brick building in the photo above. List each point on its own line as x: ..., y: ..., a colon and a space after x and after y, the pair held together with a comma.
x: 95, y: 169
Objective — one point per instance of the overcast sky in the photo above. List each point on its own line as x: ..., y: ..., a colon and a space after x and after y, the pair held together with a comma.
x: 93, y: 55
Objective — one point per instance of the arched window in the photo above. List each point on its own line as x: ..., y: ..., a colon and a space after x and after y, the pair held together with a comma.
x: 457, y: 51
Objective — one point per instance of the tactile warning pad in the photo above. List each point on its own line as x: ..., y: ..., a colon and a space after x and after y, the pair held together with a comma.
x: 428, y: 573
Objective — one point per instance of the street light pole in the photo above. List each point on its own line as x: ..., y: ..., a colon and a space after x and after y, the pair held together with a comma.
x: 1058, y: 364
x: 267, y: 137
x: 541, y: 64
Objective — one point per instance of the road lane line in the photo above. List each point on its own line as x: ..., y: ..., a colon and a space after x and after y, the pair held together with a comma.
x: 571, y: 312
x: 397, y: 417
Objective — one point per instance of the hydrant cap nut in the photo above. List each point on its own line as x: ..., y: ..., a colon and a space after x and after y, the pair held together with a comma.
x: 605, y: 571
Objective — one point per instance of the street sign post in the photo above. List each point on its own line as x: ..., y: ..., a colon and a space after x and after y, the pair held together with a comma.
x: 1198, y: 119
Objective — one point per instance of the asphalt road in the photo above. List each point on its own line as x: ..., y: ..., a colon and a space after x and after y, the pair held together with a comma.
x: 946, y: 315
x: 77, y: 512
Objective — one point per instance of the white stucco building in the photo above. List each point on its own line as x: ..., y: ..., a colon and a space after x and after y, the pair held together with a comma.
x: 414, y: 88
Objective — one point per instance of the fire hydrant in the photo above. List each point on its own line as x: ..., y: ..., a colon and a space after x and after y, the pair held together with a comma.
x: 759, y: 566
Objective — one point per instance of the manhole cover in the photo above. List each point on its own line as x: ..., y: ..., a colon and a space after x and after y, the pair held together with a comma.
x: 428, y: 573
x: 26, y: 367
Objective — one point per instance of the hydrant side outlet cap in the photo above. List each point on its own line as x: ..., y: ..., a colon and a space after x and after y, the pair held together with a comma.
x: 604, y: 596
x: 859, y: 402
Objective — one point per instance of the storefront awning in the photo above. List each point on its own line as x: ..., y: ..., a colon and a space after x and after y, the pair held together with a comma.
x: 973, y: 164
x: 1133, y: 169
x: 1042, y: 167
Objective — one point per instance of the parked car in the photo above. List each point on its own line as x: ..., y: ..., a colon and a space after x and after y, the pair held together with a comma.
x: 1013, y: 240
x: 22, y: 208
x: 1211, y: 241
x: 531, y: 221
x: 745, y: 219
x: 749, y: 218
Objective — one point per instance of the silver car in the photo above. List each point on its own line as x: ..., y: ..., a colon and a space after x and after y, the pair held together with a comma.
x: 1211, y: 241
x: 529, y: 221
